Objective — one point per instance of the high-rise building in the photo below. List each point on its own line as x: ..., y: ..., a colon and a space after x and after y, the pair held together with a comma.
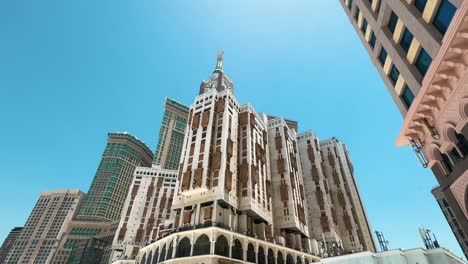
x: 286, y: 174
x: 224, y: 205
x: 147, y: 210
x: 106, y: 196
x: 79, y: 235
x: 321, y: 221
x: 8, y: 243
x: 99, y: 215
x: 171, y: 135
x: 45, y: 226
x: 420, y: 50
x: 347, y: 208
x: 402, y: 39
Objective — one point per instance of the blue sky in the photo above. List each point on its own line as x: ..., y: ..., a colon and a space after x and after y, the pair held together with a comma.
x: 71, y: 71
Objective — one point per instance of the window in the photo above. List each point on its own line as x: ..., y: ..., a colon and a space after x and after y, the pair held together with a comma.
x: 448, y: 164
x: 382, y: 55
x: 356, y: 14
x: 373, y: 39
x: 420, y: 4
x: 378, y: 6
x: 423, y: 62
x: 444, y: 16
x: 364, y: 26
x: 455, y: 156
x: 394, y: 74
x: 392, y: 22
x: 406, y: 40
x: 350, y: 4
x: 407, y: 96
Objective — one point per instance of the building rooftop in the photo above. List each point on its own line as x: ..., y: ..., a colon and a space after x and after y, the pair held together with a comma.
x: 131, y: 138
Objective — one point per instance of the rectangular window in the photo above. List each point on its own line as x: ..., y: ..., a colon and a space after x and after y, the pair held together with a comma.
x: 378, y: 6
x: 392, y: 22
x: 406, y: 40
x: 423, y: 62
x: 394, y: 74
x: 407, y: 96
x: 383, y: 55
x: 356, y: 14
x: 373, y: 39
x: 420, y: 4
x: 444, y: 16
x: 364, y: 26
x: 350, y: 4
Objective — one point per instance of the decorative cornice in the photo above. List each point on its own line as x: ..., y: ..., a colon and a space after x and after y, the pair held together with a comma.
x: 442, y: 81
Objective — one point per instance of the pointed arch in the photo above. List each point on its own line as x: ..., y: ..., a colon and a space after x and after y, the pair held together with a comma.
x: 271, y: 257
x: 261, y: 255
x: 162, y: 257
x: 280, y: 258
x: 251, y: 253
x: 202, y: 246
x: 156, y: 256
x: 236, y: 250
x: 143, y: 259
x: 150, y: 257
x: 222, y: 246
x: 298, y: 260
x: 183, y: 248
x: 170, y: 250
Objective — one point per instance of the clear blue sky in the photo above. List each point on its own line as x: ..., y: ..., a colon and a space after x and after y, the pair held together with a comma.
x: 71, y: 71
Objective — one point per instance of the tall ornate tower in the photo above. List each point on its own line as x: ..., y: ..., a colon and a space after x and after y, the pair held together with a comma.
x: 223, y: 207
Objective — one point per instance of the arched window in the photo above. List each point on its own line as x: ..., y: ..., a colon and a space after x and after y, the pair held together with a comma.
x: 222, y: 247
x: 280, y: 258
x: 251, y: 254
x: 183, y: 249
x: 237, y: 252
x: 202, y: 246
x: 298, y: 260
x: 447, y: 162
x: 156, y: 256
x: 150, y: 258
x: 162, y: 257
x: 306, y: 261
x: 143, y: 259
x: 271, y: 257
x: 289, y: 259
x: 261, y: 255
x: 462, y: 144
x: 169, y: 251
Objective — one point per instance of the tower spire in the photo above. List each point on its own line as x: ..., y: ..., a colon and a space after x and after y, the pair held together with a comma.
x: 219, y: 64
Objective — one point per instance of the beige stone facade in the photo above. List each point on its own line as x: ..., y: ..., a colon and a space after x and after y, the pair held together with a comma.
x: 321, y: 220
x: 147, y: 210
x: 48, y: 221
x: 348, y: 210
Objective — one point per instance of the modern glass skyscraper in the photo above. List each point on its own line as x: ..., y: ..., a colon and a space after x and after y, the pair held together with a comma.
x: 106, y: 196
x: 171, y: 135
